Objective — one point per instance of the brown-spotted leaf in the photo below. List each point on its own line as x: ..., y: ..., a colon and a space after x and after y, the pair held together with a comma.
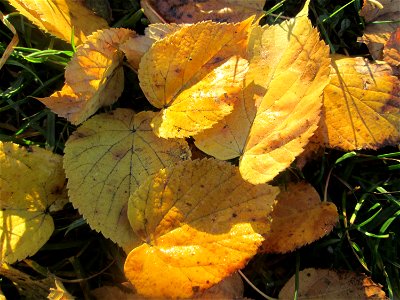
x: 391, y: 50
x: 61, y: 18
x: 361, y: 105
x: 105, y: 161
x: 93, y: 78
x: 31, y: 181
x: 381, y: 23
x: 193, y: 87
x: 280, y: 105
x: 192, y: 11
x: 199, y: 222
x: 323, y: 284
x: 298, y: 218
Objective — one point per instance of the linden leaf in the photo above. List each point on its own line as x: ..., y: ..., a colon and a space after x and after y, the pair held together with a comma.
x: 379, y: 28
x: 322, y: 284
x: 361, y: 105
x: 194, y: 88
x: 60, y: 17
x: 94, y: 77
x: 280, y: 107
x: 200, y: 222
x: 192, y: 11
x: 31, y: 181
x: 105, y: 161
x: 298, y: 218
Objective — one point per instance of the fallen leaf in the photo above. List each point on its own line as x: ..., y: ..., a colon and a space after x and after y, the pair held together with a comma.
x: 194, y: 88
x: 31, y: 181
x: 229, y: 288
x: 280, y: 107
x: 332, y: 285
x: 117, y: 292
x: 192, y: 11
x: 391, y: 50
x: 28, y: 287
x: 105, y: 161
x: 199, y: 222
x: 93, y: 78
x: 135, y: 47
x: 298, y: 218
x: 361, y: 105
x: 381, y: 22
x: 61, y: 18
x: 59, y: 292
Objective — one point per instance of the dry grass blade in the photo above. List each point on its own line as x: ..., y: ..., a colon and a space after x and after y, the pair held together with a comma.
x: 14, y: 40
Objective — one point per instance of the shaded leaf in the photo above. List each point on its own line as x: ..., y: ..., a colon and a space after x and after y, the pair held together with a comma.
x: 200, y: 222
x: 60, y: 17
x: 105, y: 161
x: 31, y: 181
x: 280, y: 106
x: 194, y: 88
x: 391, y: 50
x: 93, y: 78
x: 192, y: 11
x: 361, y: 105
x: 229, y: 288
x: 298, y: 218
x: 29, y: 287
x: 385, y: 21
x: 115, y: 293
x: 332, y: 285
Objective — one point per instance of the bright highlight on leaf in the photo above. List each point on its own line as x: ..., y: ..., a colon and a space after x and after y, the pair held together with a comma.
x: 61, y: 18
x: 361, y: 105
x: 322, y: 284
x: 105, y: 161
x: 93, y: 78
x: 200, y: 222
x: 298, y: 218
x: 31, y: 181
x: 193, y: 87
x: 192, y: 11
x: 280, y: 107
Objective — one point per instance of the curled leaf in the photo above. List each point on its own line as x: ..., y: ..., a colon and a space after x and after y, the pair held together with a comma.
x: 93, y: 78
x: 106, y: 159
x: 194, y: 88
x: 199, y: 222
x: 31, y: 181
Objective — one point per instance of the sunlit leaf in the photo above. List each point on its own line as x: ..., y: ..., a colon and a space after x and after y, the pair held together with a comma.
x: 93, y: 78
x: 199, y: 222
x: 361, y: 105
x: 61, y: 18
x: 298, y: 218
x: 192, y: 11
x: 105, y: 161
x: 193, y: 87
x: 280, y: 107
x: 322, y: 284
x: 391, y: 50
x: 31, y: 181
x: 59, y: 292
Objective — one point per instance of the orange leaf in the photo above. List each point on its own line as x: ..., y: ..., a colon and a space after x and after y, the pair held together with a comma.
x: 194, y: 88
x: 192, y: 11
x: 60, y: 17
x: 94, y: 77
x: 200, y: 222
x: 321, y: 284
x: 280, y: 107
x: 391, y: 51
x: 361, y: 105
x: 298, y: 218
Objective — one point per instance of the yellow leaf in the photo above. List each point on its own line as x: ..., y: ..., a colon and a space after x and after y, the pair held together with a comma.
x: 192, y: 11
x: 29, y: 287
x: 298, y: 218
x: 31, y: 181
x: 200, y: 222
x: 94, y: 77
x: 361, y: 105
x: 280, y: 107
x: 378, y: 27
x: 59, y: 292
x: 60, y: 17
x: 193, y: 87
x: 105, y: 161
x: 322, y: 284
